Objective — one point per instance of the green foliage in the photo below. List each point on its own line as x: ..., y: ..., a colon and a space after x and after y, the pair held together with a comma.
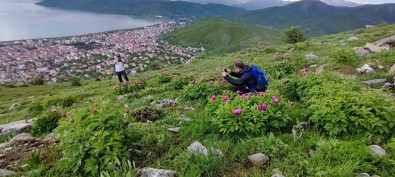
x: 46, y: 123
x: 129, y: 87
x: 164, y: 78
x: 270, y: 49
x: 38, y: 80
x: 344, y: 56
x: 201, y: 91
x: 251, y: 120
x: 154, y: 65
x: 293, y: 35
x: 180, y: 82
x: 65, y: 101
x: 94, y: 144
x: 147, y: 113
x: 35, y: 108
x: 280, y: 70
x: 75, y: 81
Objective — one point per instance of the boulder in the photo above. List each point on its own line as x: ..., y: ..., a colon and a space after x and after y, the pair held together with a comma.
x: 361, y: 51
x: 375, y: 81
x: 365, y: 69
x: 311, y: 56
x: 259, y: 159
x: 22, y: 138
x: 152, y: 172
x: 5, y: 172
x: 376, y: 150
x: 353, y: 39
x: 392, y: 69
x: 16, y: 126
x: 388, y: 86
x: 197, y: 148
x: 381, y: 45
x: 174, y: 130
x: 14, y: 106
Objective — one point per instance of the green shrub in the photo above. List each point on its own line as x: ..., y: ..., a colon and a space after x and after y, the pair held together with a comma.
x: 164, y: 78
x: 147, y: 113
x: 46, y: 123
x: 280, y: 69
x: 35, y: 108
x: 302, y: 46
x: 129, y: 87
x: 344, y: 56
x: 65, y: 101
x: 38, y: 80
x: 293, y: 35
x: 94, y: 144
x: 270, y: 49
x: 251, y: 120
x: 180, y: 82
x: 75, y: 81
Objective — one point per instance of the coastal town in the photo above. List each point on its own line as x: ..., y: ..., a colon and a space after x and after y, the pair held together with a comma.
x: 91, y: 55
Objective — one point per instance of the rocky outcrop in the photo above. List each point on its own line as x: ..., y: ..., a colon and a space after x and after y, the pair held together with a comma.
x: 152, y: 172
x: 381, y: 45
x: 16, y: 126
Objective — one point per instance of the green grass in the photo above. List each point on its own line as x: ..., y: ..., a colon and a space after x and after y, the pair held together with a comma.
x: 223, y: 36
x: 158, y: 148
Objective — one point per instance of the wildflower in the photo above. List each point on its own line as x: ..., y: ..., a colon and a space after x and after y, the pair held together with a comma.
x: 211, y: 82
x: 225, y: 98
x: 192, y: 82
x: 238, y: 92
x: 261, y: 93
x: 237, y: 111
x: 262, y: 107
x: 213, y: 97
x: 94, y: 112
x: 275, y: 100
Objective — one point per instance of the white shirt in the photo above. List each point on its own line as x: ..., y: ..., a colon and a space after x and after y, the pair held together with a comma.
x: 119, y: 67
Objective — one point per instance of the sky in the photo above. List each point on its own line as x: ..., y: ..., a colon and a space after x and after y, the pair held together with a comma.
x: 231, y: 2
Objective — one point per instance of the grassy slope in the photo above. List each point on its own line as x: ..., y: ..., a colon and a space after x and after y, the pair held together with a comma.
x: 333, y: 156
x: 222, y: 36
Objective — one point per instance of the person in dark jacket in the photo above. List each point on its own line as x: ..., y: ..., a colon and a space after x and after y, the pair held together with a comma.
x: 245, y: 81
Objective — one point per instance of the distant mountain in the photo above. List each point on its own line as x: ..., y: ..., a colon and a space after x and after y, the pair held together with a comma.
x: 222, y: 36
x: 145, y: 8
x: 318, y: 18
x: 262, y: 4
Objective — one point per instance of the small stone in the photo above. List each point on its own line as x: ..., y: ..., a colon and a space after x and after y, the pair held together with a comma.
x: 311, y: 56
x: 362, y: 175
x: 259, y: 159
x: 361, y: 51
x: 392, y: 69
x: 277, y: 175
x: 380, y: 67
x: 365, y: 69
x: 189, y: 108
x: 120, y: 97
x: 14, y: 106
x: 1, y: 155
x: 376, y: 150
x: 21, y: 138
x: 313, y: 66
x: 319, y: 69
x: 54, y: 109
x: 185, y: 119
x: 376, y: 176
x: 216, y: 152
x: 388, y: 86
x: 375, y: 81
x: 152, y: 172
x: 198, y: 148
x: 8, y: 149
x: 353, y: 39
x: 153, y: 103
x: 175, y: 130
x: 311, y: 152
x: 149, y: 122
x: 5, y: 172
x: 16, y: 126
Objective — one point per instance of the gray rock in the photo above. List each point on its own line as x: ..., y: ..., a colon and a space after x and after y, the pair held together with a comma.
x: 375, y: 81
x: 313, y: 66
x: 362, y: 175
x: 149, y: 97
x: 153, y: 103
x: 168, y: 103
x: 392, y: 69
x: 120, y: 97
x: 8, y: 149
x: 5, y: 172
x: 259, y: 159
x: 16, y: 126
x: 175, y: 130
x: 376, y: 150
x: 319, y: 69
x: 152, y: 172
x: 311, y: 152
x: 184, y: 119
x: 388, y: 86
x: 361, y: 51
x: 381, y: 45
x: 189, y: 108
x: 216, y: 152
x: 197, y: 148
x: 365, y: 69
x: 311, y: 56
x: 353, y: 39
x: 14, y: 106
x: 5, y: 145
x: 22, y: 138
x: 277, y: 175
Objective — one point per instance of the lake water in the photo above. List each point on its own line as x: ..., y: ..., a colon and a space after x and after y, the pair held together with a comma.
x: 23, y: 19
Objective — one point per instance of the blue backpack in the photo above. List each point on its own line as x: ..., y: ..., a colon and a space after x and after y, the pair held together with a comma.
x: 260, y: 78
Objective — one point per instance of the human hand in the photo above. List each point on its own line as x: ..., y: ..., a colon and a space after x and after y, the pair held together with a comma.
x: 224, y: 73
x: 227, y: 70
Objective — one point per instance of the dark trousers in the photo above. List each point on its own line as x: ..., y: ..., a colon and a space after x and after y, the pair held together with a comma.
x: 122, y: 73
x: 244, y: 89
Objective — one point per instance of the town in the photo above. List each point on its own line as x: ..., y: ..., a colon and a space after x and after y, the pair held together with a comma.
x: 91, y: 55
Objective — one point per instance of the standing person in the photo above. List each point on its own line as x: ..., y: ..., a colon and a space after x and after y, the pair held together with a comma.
x: 249, y: 78
x: 120, y: 69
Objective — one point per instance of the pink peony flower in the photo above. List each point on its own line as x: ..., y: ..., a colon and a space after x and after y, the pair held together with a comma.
x: 238, y: 92
x: 245, y: 96
x: 225, y: 98
x: 211, y: 82
x: 213, y: 97
x: 262, y: 107
x: 261, y: 93
x: 94, y: 112
x: 192, y: 82
x: 237, y: 111
x: 275, y: 100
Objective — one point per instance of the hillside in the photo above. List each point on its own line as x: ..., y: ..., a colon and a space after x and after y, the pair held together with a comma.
x: 259, y: 4
x: 145, y: 8
x: 318, y: 18
x: 308, y: 123
x: 223, y: 36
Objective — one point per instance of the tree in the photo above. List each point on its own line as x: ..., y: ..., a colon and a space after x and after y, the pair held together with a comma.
x: 293, y: 35
x: 38, y: 80
x: 75, y: 81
